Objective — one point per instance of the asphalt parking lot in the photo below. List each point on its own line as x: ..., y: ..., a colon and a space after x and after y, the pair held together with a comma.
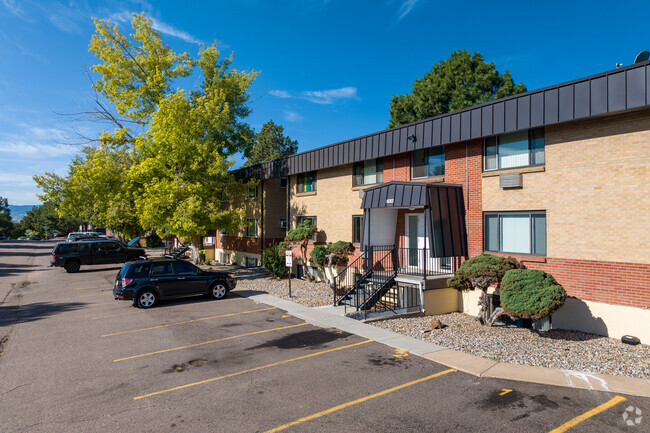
x: 77, y: 360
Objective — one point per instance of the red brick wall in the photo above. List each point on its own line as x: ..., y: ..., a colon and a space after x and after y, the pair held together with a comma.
x: 617, y: 283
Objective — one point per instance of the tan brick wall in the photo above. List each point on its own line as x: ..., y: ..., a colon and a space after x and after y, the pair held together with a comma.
x: 595, y: 188
x: 275, y: 208
x: 333, y: 203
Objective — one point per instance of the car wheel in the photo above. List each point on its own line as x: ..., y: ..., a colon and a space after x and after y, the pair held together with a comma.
x: 72, y: 266
x: 147, y: 299
x: 218, y: 290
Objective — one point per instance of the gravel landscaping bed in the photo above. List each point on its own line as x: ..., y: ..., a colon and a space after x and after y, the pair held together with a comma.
x: 556, y: 348
x: 561, y: 349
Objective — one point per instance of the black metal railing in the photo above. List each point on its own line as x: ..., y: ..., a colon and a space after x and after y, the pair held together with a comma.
x: 368, y: 283
x: 375, y: 281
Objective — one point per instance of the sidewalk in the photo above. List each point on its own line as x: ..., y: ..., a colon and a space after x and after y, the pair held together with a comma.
x: 331, y: 317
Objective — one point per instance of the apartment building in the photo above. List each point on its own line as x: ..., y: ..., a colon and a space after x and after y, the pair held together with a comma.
x: 558, y: 178
x: 265, y: 221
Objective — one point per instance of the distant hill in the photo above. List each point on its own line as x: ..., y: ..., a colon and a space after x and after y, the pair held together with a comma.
x: 18, y: 212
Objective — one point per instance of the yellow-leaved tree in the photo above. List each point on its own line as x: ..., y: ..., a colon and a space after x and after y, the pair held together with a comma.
x: 165, y: 165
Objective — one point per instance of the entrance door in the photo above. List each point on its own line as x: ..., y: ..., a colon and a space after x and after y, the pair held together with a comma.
x: 415, y: 240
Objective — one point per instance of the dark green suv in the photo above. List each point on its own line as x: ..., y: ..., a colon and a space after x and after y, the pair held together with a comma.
x: 72, y: 255
x: 145, y: 282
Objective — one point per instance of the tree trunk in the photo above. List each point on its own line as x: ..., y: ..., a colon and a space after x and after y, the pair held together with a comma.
x: 482, y: 302
x: 498, y: 312
x: 195, y: 246
x: 303, y: 252
x: 329, y: 258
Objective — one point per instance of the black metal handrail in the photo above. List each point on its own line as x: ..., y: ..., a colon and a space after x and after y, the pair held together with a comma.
x: 345, y: 280
x: 370, y: 289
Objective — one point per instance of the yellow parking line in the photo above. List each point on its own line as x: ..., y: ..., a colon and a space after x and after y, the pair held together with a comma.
x: 577, y: 420
x: 252, y: 369
x: 187, y: 321
x: 116, y: 315
x: 94, y: 294
x: 357, y: 401
x: 209, y: 342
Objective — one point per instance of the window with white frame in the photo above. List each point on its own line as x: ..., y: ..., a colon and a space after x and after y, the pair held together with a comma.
x: 251, y: 227
x: 428, y: 162
x: 515, y: 232
x: 515, y: 149
x: 251, y: 193
x: 368, y: 172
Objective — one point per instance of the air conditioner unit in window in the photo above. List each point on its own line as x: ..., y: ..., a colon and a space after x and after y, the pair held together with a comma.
x: 510, y: 180
x: 283, y: 224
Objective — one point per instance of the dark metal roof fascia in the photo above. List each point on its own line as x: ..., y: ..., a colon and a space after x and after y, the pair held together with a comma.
x: 613, y: 91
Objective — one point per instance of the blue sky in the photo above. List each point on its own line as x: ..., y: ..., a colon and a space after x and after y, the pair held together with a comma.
x: 328, y: 67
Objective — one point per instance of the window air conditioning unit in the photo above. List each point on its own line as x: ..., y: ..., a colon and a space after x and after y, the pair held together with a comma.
x: 511, y: 180
x: 283, y: 224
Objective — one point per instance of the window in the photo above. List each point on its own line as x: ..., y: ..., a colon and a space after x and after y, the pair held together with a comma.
x: 516, y: 149
x: 357, y: 228
x: 307, y: 181
x: 184, y: 268
x: 428, y: 162
x: 368, y: 172
x: 252, y: 192
x: 251, y: 227
x: 141, y: 270
x: 283, y: 223
x: 223, y: 232
x: 515, y: 232
x: 161, y: 269
x: 313, y: 222
x: 283, y: 183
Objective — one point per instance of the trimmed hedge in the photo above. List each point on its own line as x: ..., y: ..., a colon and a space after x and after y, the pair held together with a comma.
x: 530, y: 294
x: 485, y: 266
x: 274, y: 261
x: 153, y: 241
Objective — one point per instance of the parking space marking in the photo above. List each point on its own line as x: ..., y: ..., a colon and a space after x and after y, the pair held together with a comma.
x: 357, y: 401
x: 595, y: 411
x: 210, y: 342
x: 286, y: 361
x: 505, y: 391
x: 188, y: 321
x: 116, y: 315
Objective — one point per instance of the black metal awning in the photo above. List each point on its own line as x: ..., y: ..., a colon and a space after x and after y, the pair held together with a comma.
x: 444, y: 211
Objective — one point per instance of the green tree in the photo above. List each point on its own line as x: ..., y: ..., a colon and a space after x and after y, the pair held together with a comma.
x: 529, y: 294
x: 332, y: 254
x: 481, y: 272
x: 459, y: 82
x: 167, y: 160
x: 6, y: 225
x: 46, y: 215
x: 269, y: 144
x: 274, y: 261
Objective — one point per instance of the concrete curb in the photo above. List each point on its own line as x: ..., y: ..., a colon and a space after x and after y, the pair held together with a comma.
x: 461, y: 361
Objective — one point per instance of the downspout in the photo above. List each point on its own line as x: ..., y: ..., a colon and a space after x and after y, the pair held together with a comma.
x: 421, y: 286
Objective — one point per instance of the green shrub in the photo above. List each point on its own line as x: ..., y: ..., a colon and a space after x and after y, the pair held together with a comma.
x: 154, y: 241
x: 530, y: 294
x: 318, y: 254
x: 273, y: 260
x: 482, y: 270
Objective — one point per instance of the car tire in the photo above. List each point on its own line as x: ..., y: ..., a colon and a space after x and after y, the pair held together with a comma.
x: 147, y: 299
x: 72, y: 266
x: 218, y: 290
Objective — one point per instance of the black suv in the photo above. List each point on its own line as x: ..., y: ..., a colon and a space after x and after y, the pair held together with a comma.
x: 148, y: 281
x: 71, y: 255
